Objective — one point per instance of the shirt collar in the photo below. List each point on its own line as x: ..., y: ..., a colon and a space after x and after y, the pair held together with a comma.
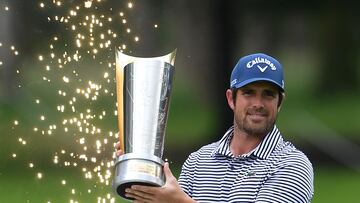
x: 263, y: 150
x: 224, y: 144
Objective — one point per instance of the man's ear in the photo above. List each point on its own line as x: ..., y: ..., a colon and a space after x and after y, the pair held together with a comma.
x: 281, y: 100
x: 230, y: 99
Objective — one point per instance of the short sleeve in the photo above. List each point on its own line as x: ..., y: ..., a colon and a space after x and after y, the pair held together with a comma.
x: 292, y: 181
x: 187, y: 174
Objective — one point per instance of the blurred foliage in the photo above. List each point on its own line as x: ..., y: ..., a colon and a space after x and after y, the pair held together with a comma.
x: 333, y: 184
x: 190, y: 118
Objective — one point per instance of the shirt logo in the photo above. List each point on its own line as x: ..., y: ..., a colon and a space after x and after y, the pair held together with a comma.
x: 250, y: 173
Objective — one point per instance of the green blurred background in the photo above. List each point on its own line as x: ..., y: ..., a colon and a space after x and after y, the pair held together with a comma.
x: 40, y: 161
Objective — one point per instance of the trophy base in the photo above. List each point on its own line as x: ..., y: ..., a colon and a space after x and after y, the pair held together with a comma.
x: 137, y: 169
x: 120, y: 190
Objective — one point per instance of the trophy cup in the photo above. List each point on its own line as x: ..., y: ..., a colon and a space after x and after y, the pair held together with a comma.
x: 143, y: 94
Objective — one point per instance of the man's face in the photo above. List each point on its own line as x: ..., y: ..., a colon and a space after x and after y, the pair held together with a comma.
x: 255, y: 108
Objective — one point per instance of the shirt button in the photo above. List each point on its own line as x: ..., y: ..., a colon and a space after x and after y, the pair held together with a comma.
x: 231, y: 165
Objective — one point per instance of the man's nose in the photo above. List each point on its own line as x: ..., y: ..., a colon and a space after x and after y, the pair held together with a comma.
x: 257, y: 101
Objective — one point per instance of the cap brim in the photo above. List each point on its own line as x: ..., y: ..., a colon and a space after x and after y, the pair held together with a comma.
x: 245, y: 82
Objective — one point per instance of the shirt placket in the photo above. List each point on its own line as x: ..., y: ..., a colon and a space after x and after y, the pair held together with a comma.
x: 232, y: 172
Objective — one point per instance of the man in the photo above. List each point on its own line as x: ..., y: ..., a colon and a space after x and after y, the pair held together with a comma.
x: 251, y: 162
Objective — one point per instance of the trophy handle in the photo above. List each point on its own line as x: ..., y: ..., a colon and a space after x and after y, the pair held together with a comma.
x: 121, y: 61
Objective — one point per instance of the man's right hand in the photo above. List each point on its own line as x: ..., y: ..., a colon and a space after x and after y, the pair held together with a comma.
x: 119, y: 152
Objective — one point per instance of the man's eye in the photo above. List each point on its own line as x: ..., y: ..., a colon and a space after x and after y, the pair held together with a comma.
x: 270, y: 94
x: 247, y: 92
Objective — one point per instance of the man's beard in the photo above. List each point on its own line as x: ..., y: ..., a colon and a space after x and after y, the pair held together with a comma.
x: 255, y: 129
x: 260, y: 131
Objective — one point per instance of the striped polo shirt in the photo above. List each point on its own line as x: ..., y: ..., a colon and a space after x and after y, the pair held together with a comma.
x: 275, y: 171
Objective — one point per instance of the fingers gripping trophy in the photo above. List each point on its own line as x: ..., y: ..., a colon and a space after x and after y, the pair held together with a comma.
x: 143, y: 88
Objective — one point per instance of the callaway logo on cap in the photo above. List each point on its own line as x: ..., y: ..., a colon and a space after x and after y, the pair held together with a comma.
x: 257, y: 67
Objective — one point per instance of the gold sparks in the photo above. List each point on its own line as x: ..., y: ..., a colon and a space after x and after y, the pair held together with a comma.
x: 58, y: 3
x: 66, y: 79
x: 106, y: 75
x: 22, y: 141
x: 90, y: 30
x: 39, y: 175
x: 88, y: 4
x: 78, y: 43
x: 56, y: 159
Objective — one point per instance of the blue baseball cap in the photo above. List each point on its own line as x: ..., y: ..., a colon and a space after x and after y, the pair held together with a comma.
x: 257, y: 67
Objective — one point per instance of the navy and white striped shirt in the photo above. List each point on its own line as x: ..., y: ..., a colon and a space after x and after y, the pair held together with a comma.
x: 275, y: 171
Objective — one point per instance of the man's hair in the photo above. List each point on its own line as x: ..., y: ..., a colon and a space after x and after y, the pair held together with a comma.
x: 235, y: 90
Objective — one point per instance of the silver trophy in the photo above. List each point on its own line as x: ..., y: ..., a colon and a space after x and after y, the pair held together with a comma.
x: 143, y: 95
